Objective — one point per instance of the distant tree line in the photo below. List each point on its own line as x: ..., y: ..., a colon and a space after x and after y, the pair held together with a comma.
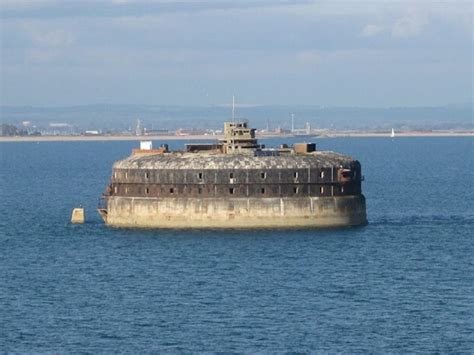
x: 10, y: 130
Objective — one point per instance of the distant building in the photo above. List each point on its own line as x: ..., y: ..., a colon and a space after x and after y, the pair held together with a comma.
x: 59, y: 129
x: 157, y: 132
x: 190, y: 132
x: 280, y: 130
x: 10, y: 130
x: 139, y: 128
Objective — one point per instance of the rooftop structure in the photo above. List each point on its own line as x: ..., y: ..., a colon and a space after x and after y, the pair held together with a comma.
x: 235, y: 183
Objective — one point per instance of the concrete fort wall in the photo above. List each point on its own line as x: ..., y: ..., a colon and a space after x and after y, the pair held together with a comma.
x: 265, y: 183
x: 236, y: 212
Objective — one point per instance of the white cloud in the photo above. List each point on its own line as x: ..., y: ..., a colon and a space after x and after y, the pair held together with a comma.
x: 309, y: 56
x: 42, y: 55
x: 409, y: 25
x: 372, y: 30
x: 211, y: 43
x: 25, y: 4
x: 319, y: 57
x: 55, y: 38
x: 46, y: 45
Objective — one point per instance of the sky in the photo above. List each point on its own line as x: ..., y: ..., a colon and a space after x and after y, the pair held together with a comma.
x: 160, y: 52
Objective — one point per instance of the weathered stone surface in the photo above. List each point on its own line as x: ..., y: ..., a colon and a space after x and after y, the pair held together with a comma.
x: 78, y: 216
x: 236, y: 212
x: 184, y: 160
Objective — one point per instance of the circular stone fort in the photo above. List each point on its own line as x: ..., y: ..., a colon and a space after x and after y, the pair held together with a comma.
x: 234, y: 183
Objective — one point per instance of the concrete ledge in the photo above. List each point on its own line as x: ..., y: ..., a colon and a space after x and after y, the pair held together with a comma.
x: 78, y: 216
x: 299, y: 212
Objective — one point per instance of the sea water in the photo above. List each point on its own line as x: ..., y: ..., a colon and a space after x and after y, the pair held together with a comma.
x: 403, y: 283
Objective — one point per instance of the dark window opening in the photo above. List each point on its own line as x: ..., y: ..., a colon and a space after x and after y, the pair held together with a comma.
x: 200, y: 176
x: 295, y: 174
x: 231, y: 175
x: 147, y: 190
x: 262, y: 190
x: 263, y: 175
x: 295, y: 190
x: 171, y: 190
x: 147, y: 175
x: 232, y: 190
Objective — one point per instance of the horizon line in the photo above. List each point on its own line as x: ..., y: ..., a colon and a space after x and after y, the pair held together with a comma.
x: 241, y: 105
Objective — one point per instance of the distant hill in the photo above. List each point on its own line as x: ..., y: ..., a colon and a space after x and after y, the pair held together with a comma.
x: 122, y: 117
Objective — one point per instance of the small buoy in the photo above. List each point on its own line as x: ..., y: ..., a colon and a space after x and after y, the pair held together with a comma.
x: 78, y: 215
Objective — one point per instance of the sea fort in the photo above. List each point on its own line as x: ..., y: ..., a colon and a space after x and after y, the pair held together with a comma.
x: 234, y: 183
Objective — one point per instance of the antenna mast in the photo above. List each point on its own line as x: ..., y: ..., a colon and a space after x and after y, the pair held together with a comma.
x: 233, y: 108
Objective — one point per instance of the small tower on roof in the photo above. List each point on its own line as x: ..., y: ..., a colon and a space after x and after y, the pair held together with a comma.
x: 238, y: 137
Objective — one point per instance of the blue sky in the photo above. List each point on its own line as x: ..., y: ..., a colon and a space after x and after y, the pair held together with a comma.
x: 332, y: 53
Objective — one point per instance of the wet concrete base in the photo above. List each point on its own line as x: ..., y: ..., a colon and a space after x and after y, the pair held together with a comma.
x: 301, y: 212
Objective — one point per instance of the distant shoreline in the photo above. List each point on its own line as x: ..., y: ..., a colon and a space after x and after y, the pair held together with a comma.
x: 339, y: 134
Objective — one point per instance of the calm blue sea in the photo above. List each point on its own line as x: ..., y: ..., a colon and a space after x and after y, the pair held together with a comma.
x: 403, y: 283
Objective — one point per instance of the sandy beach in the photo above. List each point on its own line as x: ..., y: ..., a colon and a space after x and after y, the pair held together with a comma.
x: 210, y: 138
x: 401, y: 134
